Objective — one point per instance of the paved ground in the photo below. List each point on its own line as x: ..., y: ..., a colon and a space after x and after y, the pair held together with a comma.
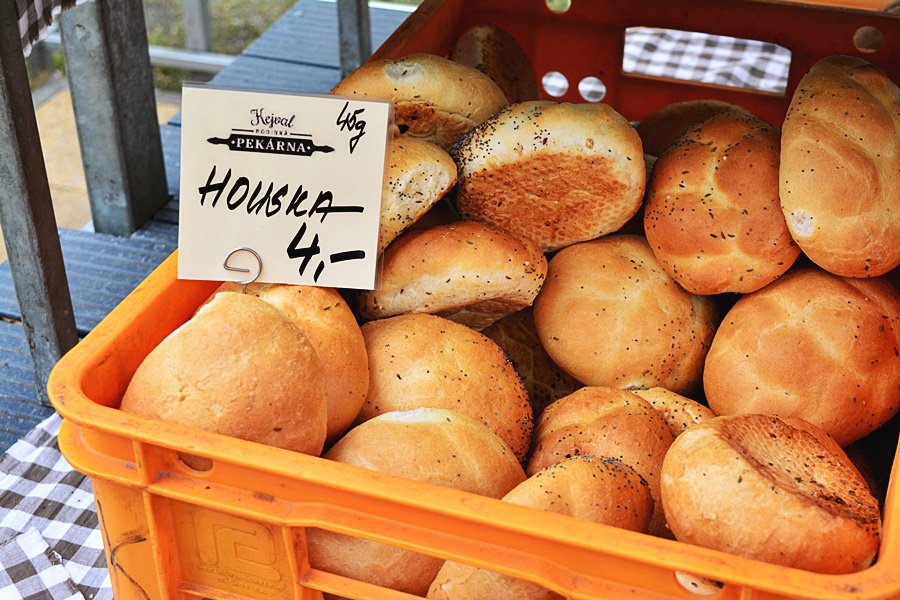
x: 56, y: 124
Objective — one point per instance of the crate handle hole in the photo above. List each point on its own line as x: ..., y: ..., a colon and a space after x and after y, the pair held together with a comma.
x: 555, y: 83
x: 199, y: 464
x: 592, y: 89
x: 700, y: 587
x: 558, y: 6
x: 868, y: 39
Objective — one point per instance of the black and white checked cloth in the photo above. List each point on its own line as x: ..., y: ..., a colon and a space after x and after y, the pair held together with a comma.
x: 48, y: 523
x: 36, y: 16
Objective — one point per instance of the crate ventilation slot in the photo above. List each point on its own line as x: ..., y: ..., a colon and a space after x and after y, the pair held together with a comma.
x: 706, y: 59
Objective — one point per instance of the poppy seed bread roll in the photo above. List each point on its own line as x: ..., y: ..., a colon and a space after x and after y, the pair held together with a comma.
x: 464, y: 271
x: 770, y: 489
x: 557, y: 173
x: 679, y: 412
x: 225, y: 371
x: 498, y: 55
x: 811, y: 345
x: 434, y: 98
x: 712, y: 214
x: 840, y: 167
x: 441, y: 447
x: 609, y: 315
x: 670, y: 122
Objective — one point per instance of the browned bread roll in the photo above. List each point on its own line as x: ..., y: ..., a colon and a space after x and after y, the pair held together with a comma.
x: 712, y: 214
x: 498, y: 55
x: 601, y: 490
x: 811, y: 345
x: 435, y: 446
x: 434, y: 98
x: 609, y: 315
x: 224, y: 371
x: 840, y: 167
x: 678, y: 412
x: 329, y: 325
x: 557, y: 173
x: 465, y: 271
x: 419, y: 174
x: 598, y: 421
x: 767, y: 488
x: 667, y: 124
x: 420, y: 360
x: 545, y: 381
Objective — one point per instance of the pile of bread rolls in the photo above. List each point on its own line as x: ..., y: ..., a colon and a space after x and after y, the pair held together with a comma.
x: 696, y: 378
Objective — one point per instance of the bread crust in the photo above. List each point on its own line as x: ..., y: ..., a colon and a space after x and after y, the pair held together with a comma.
x: 662, y: 127
x: 498, y: 55
x: 225, y: 370
x: 557, y: 173
x: 840, y: 167
x: 811, y: 345
x: 764, y: 488
x: 434, y: 98
x: 678, y: 412
x: 420, y: 360
x: 609, y: 315
x: 465, y: 271
x: 712, y: 215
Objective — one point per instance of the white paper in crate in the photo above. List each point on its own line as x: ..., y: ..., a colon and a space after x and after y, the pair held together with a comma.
x: 296, y: 178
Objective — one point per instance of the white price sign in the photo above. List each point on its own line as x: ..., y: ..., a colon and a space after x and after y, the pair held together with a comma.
x: 297, y: 179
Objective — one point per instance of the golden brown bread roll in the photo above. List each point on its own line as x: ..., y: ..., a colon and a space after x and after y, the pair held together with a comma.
x: 420, y: 360
x: 712, y: 214
x: 557, y: 173
x: 770, y: 489
x: 600, y: 421
x: 678, y: 412
x: 840, y: 167
x: 545, y: 381
x: 498, y: 55
x: 436, y: 446
x: 329, y: 325
x: 465, y: 271
x: 609, y: 315
x: 434, y: 98
x: 667, y: 124
x: 811, y: 345
x: 419, y: 174
x: 224, y: 371
x: 600, y: 490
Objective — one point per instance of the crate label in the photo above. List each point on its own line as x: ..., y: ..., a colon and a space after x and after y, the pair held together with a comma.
x: 297, y: 179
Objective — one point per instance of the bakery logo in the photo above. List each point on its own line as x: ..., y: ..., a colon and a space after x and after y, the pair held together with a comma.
x: 270, y: 134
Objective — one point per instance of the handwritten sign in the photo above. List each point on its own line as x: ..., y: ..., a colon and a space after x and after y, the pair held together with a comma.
x: 296, y: 178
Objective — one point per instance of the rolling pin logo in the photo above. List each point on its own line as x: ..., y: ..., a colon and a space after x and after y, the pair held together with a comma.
x: 298, y: 144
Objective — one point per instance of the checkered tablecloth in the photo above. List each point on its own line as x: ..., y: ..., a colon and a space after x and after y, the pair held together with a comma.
x: 50, y: 541
x: 35, y: 18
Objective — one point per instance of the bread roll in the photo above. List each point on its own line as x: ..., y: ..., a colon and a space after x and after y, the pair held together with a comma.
x: 435, y: 446
x: 498, y: 55
x: 465, y: 271
x: 419, y: 174
x: 661, y: 128
x: 601, y: 490
x: 811, y: 345
x: 329, y: 325
x: 517, y: 337
x: 840, y: 167
x: 420, y: 360
x: 712, y: 214
x: 557, y: 173
x: 678, y: 412
x: 765, y: 488
x: 610, y: 316
x: 598, y: 421
x: 434, y: 98
x: 224, y: 371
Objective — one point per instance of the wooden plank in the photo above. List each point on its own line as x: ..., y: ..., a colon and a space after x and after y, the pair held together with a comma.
x: 26, y: 214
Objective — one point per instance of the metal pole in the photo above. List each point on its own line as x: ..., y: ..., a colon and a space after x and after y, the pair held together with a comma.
x: 355, y: 34
x: 197, y: 35
x: 26, y: 214
x: 105, y: 45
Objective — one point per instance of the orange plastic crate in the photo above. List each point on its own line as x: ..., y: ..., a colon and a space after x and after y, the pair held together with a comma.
x: 237, y: 529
